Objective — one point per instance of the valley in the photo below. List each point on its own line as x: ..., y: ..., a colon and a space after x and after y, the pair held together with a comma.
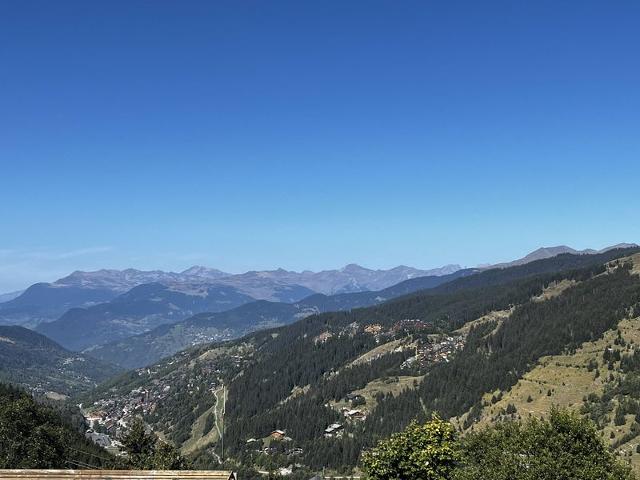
x: 306, y: 389
x: 319, y: 240
x: 334, y: 383
x: 45, y: 368
x: 149, y: 347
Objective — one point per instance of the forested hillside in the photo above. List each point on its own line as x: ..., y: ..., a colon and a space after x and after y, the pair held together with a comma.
x: 138, y: 310
x: 597, y: 379
x: 165, y: 340
x: 42, y: 366
x: 37, y: 436
x: 494, y: 356
x: 337, y: 382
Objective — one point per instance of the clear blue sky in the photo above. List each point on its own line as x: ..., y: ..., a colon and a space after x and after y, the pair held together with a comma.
x: 258, y: 134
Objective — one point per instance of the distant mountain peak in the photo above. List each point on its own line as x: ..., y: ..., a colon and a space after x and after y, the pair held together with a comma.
x: 204, y: 272
x: 116, y: 280
x: 401, y: 267
x: 557, y: 248
x: 619, y: 245
x: 353, y: 267
x: 548, y: 252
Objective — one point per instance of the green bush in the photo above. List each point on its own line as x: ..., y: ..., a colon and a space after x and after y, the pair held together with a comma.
x: 421, y: 452
x: 564, y: 447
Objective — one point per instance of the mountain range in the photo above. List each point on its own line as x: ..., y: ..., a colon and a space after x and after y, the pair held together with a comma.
x: 44, y: 302
x: 555, y: 331
x: 86, y: 310
x: 478, y: 346
x: 138, y: 310
x: 258, y: 284
x: 139, y: 350
x: 151, y: 346
x: 351, y: 278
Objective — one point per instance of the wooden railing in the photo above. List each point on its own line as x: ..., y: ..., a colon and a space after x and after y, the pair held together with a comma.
x: 117, y: 475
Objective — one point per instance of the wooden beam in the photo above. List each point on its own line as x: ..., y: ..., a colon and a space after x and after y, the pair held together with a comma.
x: 117, y: 475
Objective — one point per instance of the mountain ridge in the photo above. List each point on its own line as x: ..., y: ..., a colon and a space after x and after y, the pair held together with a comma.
x: 140, y: 309
x: 549, y: 252
x: 440, y: 350
x: 165, y: 340
x: 347, y: 278
x: 36, y: 362
x: 45, y: 302
x: 42, y: 302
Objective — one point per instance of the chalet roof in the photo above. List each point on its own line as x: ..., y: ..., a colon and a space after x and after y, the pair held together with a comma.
x: 332, y: 428
x: 117, y: 475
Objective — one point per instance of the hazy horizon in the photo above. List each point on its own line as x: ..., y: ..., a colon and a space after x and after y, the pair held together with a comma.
x: 71, y: 256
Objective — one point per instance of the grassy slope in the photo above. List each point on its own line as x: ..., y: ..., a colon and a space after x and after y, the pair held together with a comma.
x: 294, y: 334
x: 569, y: 380
x: 199, y: 438
x: 393, y: 386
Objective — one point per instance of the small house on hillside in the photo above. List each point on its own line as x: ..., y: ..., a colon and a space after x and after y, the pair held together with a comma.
x: 277, y: 435
x: 355, y: 414
x: 373, y: 329
x: 333, y: 430
x: 323, y: 337
x: 355, y: 398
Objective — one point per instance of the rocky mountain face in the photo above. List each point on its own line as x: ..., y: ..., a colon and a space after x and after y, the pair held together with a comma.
x: 204, y: 272
x: 351, y: 278
x: 119, y: 280
x: 258, y: 284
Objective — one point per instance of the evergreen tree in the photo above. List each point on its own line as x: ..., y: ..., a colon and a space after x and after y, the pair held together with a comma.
x: 33, y: 435
x: 145, y: 451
